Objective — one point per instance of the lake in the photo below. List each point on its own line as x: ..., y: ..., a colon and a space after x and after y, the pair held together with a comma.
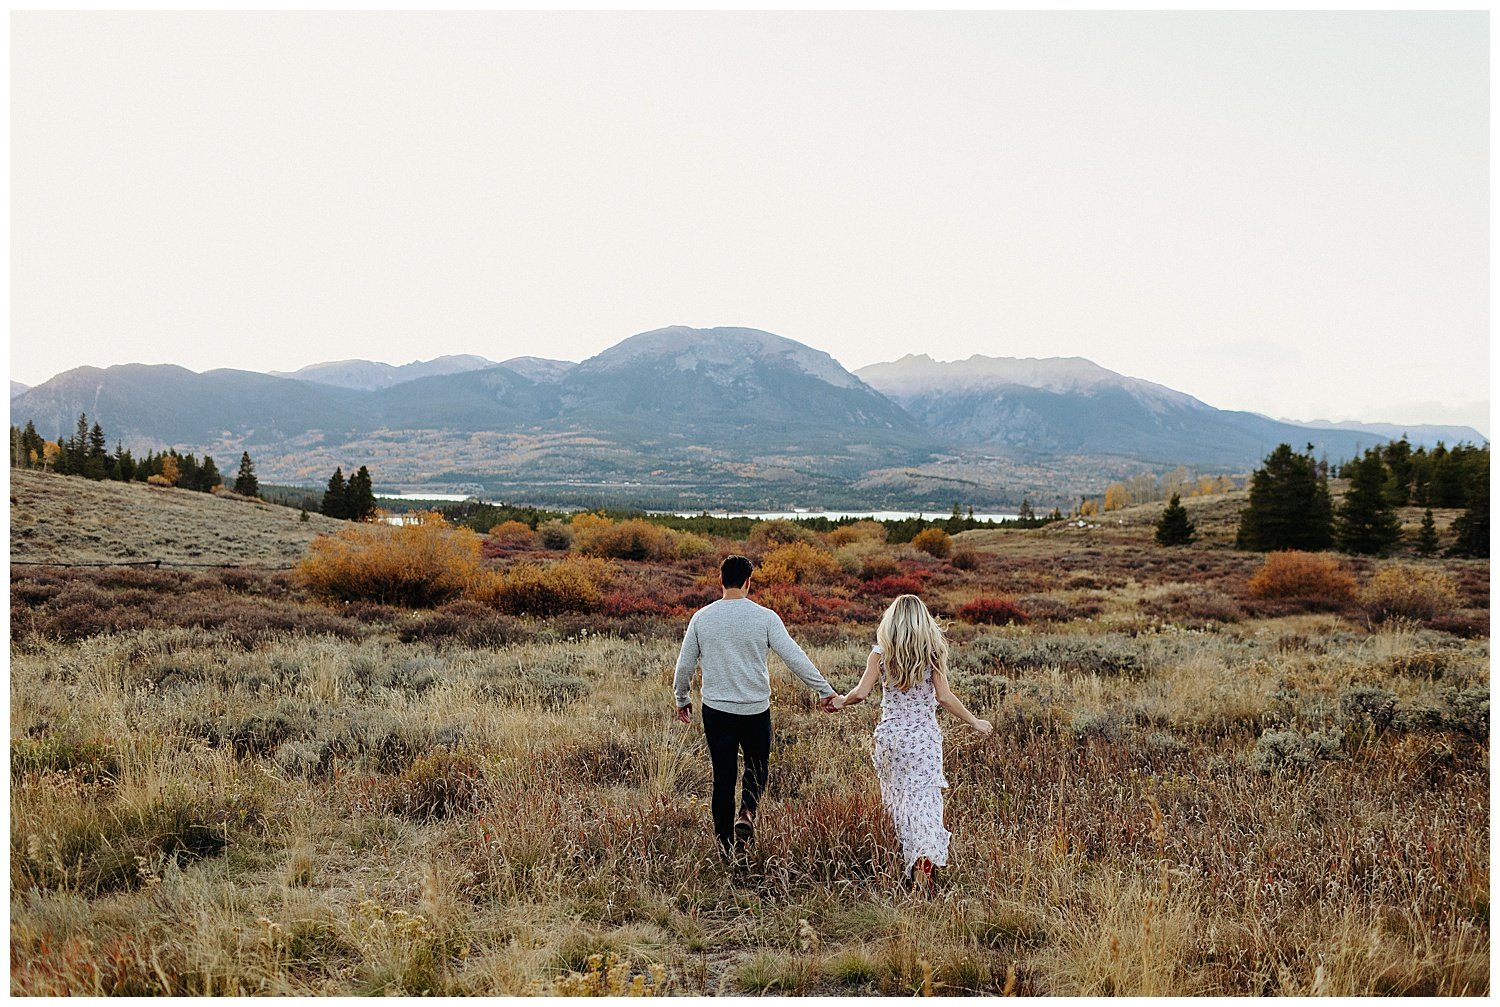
x: 791, y: 515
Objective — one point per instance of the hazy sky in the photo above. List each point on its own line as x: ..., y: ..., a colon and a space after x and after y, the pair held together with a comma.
x: 1279, y: 212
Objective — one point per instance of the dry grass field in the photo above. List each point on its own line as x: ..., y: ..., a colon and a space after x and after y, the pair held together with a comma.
x: 97, y: 522
x: 224, y: 783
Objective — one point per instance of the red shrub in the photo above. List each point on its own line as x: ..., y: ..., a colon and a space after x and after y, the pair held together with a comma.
x: 633, y: 602
x: 992, y: 611
x: 889, y: 587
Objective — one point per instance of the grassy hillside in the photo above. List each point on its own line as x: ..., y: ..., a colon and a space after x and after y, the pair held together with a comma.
x: 63, y: 519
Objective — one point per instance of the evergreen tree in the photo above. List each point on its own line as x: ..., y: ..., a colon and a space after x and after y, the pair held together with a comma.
x: 1427, y: 540
x: 1399, y: 473
x: 74, y: 449
x: 208, y: 475
x: 124, y: 467
x: 1367, y: 523
x: 1174, y: 528
x: 245, y: 484
x: 336, y: 497
x: 1472, y: 527
x: 1026, y: 513
x: 1289, y: 507
x: 33, y: 444
x: 1447, y: 483
x: 361, y: 495
x: 96, y: 454
x: 187, y: 470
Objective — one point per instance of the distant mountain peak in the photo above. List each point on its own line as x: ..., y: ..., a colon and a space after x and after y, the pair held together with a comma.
x: 727, y: 349
x: 371, y: 375
x: 917, y: 373
x: 542, y: 370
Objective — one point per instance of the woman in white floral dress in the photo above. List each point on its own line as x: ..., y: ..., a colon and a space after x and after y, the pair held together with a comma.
x: 910, y: 659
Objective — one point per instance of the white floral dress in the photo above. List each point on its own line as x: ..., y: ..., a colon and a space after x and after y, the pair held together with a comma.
x: 908, y: 760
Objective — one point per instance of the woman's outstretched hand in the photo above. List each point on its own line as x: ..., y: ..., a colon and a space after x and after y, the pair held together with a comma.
x: 984, y: 727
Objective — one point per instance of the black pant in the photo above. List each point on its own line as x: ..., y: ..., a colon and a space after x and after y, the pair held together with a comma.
x: 727, y: 734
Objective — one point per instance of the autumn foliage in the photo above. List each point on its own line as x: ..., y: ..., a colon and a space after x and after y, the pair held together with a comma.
x: 797, y: 563
x: 415, y: 565
x: 934, y: 542
x: 570, y: 585
x: 1410, y: 592
x: 1303, y: 575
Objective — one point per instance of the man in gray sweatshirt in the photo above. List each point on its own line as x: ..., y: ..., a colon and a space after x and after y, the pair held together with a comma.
x: 731, y: 638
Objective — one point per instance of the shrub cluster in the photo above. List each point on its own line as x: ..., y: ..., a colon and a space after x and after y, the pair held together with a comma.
x: 992, y: 612
x: 570, y: 585
x: 415, y: 565
x: 1304, y: 576
x: 797, y: 563
x: 890, y: 587
x: 934, y: 542
x: 1410, y: 592
x: 633, y: 539
x: 513, y: 533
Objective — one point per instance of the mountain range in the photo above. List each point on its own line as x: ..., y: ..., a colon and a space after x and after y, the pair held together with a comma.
x: 685, y: 417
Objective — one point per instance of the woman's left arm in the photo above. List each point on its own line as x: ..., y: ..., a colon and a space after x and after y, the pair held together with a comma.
x: 948, y: 701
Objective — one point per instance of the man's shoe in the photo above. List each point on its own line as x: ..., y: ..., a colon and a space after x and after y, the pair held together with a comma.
x: 744, y: 834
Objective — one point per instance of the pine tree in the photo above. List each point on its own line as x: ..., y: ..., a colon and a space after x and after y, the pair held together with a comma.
x: 1289, y: 506
x: 245, y: 484
x: 124, y: 468
x: 208, y: 475
x: 336, y: 497
x: 1174, y: 528
x: 1399, y: 472
x: 96, y: 454
x: 1367, y: 523
x: 1026, y: 513
x: 1427, y: 540
x: 1472, y: 527
x: 361, y: 495
x: 33, y: 444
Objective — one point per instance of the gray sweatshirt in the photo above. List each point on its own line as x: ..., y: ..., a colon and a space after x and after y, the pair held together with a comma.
x: 731, y: 636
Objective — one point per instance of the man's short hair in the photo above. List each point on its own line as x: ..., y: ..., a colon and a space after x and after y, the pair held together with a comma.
x: 734, y: 571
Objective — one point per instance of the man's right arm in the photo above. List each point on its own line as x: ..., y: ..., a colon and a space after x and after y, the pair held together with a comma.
x: 796, y: 659
x: 687, y: 660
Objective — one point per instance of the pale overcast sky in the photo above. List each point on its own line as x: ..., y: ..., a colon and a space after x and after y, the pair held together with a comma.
x: 1279, y: 212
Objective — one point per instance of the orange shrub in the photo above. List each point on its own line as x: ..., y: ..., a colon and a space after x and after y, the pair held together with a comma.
x: 1303, y: 575
x: 415, y: 565
x: 769, y: 534
x: 513, y: 533
x: 934, y: 542
x: 633, y: 539
x: 792, y: 603
x: 585, y: 527
x: 1411, y: 592
x: 797, y: 563
x: 859, y: 531
x: 570, y: 585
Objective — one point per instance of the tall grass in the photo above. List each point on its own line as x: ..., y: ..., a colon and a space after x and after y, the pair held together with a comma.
x: 517, y: 812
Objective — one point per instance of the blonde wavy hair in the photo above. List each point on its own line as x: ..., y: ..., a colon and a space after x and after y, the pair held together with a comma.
x: 911, y: 642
